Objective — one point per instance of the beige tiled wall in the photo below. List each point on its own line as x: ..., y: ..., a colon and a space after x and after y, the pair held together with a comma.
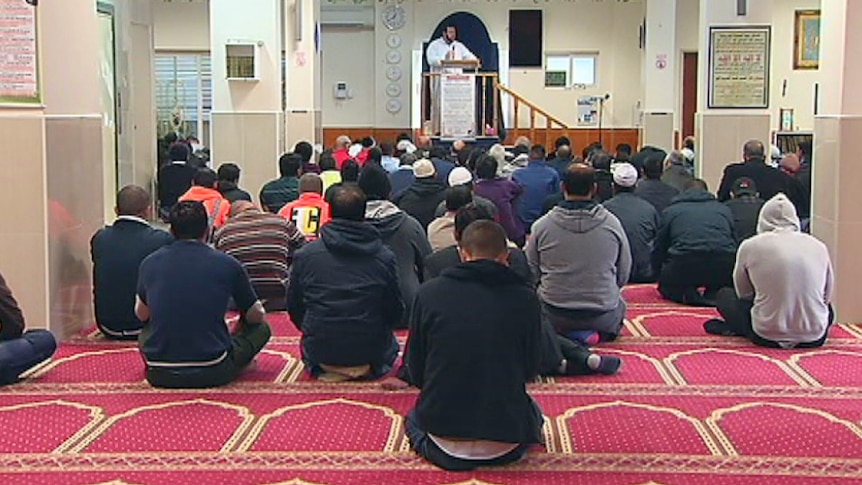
x: 721, y: 138
x: 252, y: 141
x: 658, y: 130
x: 23, y: 232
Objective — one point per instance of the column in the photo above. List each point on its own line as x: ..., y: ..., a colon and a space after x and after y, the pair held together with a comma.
x: 660, y: 74
x: 721, y: 132
x: 837, y: 220
x: 247, y: 122
x: 303, y: 120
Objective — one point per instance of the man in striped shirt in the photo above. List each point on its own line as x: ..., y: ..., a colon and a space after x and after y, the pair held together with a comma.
x: 264, y: 244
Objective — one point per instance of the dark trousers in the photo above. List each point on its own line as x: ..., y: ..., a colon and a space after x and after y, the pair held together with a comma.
x: 682, y: 276
x: 246, y: 345
x: 21, y: 354
x: 737, y: 314
x: 121, y: 335
x: 378, y: 369
x: 428, y: 449
x: 554, y: 348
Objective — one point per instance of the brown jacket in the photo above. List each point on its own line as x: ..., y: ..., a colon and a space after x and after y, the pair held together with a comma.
x: 11, y: 318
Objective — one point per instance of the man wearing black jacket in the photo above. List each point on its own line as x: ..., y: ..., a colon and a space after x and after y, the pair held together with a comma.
x: 769, y: 181
x: 344, y: 295
x: 474, y: 345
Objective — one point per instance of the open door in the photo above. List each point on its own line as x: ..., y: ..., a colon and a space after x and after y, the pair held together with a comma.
x: 689, y: 92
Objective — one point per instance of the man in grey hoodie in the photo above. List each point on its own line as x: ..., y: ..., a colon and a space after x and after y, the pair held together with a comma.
x: 783, y: 284
x: 581, y: 255
x: 400, y: 232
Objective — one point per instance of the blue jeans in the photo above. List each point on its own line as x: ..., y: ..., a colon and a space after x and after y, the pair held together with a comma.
x: 23, y: 353
x: 428, y: 449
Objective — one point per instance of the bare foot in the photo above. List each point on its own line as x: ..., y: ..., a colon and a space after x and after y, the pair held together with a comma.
x: 394, y: 384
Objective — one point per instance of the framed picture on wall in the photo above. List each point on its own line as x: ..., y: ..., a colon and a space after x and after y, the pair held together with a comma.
x: 786, y: 116
x: 806, y: 40
x: 739, y: 60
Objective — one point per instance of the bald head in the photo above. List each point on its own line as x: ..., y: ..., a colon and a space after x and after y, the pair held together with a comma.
x: 133, y: 201
x: 753, y: 150
x: 310, y: 182
x: 240, y: 207
x: 342, y: 141
x: 484, y: 240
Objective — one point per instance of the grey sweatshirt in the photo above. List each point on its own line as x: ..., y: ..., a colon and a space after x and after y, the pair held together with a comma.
x: 581, y: 255
x: 789, y: 276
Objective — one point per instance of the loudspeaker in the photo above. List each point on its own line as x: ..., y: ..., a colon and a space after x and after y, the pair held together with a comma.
x: 525, y: 38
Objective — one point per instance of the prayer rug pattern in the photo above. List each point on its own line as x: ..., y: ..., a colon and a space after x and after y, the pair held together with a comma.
x: 687, y: 408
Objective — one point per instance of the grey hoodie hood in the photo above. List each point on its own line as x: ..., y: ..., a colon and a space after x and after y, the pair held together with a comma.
x: 778, y: 214
x: 579, y: 220
x: 378, y: 209
x: 385, y: 216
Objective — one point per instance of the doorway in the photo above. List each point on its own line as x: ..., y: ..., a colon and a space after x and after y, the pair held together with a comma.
x: 108, y: 90
x: 689, y: 92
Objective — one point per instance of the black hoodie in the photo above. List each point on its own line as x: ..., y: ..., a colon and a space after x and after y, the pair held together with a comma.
x: 344, y: 296
x: 232, y: 192
x: 473, y: 347
x: 421, y: 200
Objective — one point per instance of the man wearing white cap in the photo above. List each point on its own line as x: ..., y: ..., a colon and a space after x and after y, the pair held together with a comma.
x: 426, y: 193
x: 461, y: 176
x: 639, y: 218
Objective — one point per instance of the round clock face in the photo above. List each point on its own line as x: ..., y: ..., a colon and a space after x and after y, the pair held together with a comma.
x: 393, y: 73
x: 393, y: 41
x: 394, y: 17
x: 393, y: 106
x: 393, y: 57
x: 393, y: 90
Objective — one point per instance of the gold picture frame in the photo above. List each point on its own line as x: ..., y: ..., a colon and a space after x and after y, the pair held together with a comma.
x: 806, y: 40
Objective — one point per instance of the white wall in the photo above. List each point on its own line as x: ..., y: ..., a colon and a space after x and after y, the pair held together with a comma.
x: 800, y: 83
x: 341, y: 65
x: 181, y: 26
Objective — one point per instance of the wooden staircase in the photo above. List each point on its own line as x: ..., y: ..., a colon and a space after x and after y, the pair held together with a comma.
x: 552, y: 128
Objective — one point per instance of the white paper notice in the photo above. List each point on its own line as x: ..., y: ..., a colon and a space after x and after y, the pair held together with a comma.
x: 19, y: 66
x: 458, y: 105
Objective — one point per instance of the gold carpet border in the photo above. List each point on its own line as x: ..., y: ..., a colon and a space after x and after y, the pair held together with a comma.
x: 804, y: 380
x: 97, y: 415
x: 366, y: 461
x: 699, y: 427
x: 662, y: 370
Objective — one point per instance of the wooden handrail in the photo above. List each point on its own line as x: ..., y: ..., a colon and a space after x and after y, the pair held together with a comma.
x: 521, y: 100
x: 550, y: 120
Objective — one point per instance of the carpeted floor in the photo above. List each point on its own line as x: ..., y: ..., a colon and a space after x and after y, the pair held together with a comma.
x: 687, y: 408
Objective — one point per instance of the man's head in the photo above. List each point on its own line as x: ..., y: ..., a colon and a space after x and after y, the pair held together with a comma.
x: 387, y: 148
x: 375, y: 155
x: 467, y: 215
x: 133, y: 201
x: 374, y: 181
x: 497, y: 151
x: 205, y: 177
x: 486, y: 167
x: 697, y: 184
x: 523, y: 141
x: 688, y: 143
x: 348, y: 203
x: 241, y: 207
x: 459, y: 145
x: 654, y: 167
x: 675, y: 158
x: 311, y: 183
x: 289, y: 164
x: 350, y: 171
x: 624, y: 152
x: 189, y: 220
x: 460, y: 177
x: 790, y: 164
x: 438, y: 153
x: 778, y: 213
x: 625, y: 177
x: 450, y: 33
x: 368, y: 142
x: 564, y: 152
x: 179, y: 152
x: 484, y: 240
x: 803, y: 151
x: 753, y: 151
x: 562, y: 141
x: 579, y: 182
x: 537, y: 152
x: 342, y: 142
x: 601, y: 160
x: 407, y: 159
x: 327, y: 162
x: 304, y: 150
x: 457, y: 197
x: 228, y: 172
x: 424, y: 169
x: 743, y: 187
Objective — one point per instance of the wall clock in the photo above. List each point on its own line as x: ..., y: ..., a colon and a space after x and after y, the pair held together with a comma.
x: 393, y: 57
x: 393, y: 73
x: 393, y: 41
x: 393, y: 90
x: 393, y: 106
x: 394, y: 17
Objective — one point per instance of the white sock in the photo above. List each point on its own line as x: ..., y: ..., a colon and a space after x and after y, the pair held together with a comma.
x: 594, y: 361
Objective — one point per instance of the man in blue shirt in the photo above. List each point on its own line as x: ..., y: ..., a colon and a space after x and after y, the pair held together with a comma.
x: 539, y: 181
x: 183, y: 295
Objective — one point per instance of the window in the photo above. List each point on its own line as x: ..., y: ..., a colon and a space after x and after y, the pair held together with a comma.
x: 184, y: 94
x: 565, y: 70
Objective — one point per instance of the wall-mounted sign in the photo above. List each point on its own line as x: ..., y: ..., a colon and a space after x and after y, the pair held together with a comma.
x: 19, y: 62
x: 739, y: 66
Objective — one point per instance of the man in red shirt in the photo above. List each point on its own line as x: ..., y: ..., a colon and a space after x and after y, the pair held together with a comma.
x: 204, y: 191
x: 310, y: 212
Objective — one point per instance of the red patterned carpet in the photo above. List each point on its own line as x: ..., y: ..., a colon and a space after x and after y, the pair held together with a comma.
x: 687, y: 408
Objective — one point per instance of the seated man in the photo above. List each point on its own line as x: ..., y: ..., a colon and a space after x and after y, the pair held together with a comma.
x: 205, y: 190
x: 228, y: 183
x: 695, y: 247
x: 117, y: 253
x: 639, y: 219
x: 652, y: 189
x: 426, y: 193
x: 581, y: 255
x: 19, y: 350
x: 783, y: 281
x: 276, y: 193
x: 440, y: 233
x: 400, y: 232
x: 344, y: 295
x: 183, y: 294
x: 309, y: 212
x: 265, y: 244
x: 174, y: 178
x: 745, y: 204
x: 475, y: 343
x: 461, y: 177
